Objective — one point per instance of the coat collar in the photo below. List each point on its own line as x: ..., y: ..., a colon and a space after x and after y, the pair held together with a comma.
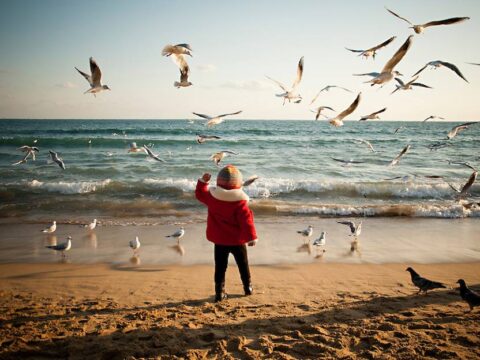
x: 228, y: 195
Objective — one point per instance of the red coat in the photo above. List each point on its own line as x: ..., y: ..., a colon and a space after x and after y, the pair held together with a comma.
x: 230, y: 220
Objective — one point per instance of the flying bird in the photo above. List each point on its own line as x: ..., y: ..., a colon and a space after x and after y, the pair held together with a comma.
x: 438, y: 63
x: 464, y: 190
x: 250, y: 180
x: 478, y: 64
x: 177, y: 234
x: 319, y: 111
x: 327, y: 88
x: 355, y: 230
x: 63, y: 246
x: 366, y: 143
x: 56, y: 159
x: 134, y: 245
x: 398, y: 129
x: 338, y: 120
x: 151, y: 154
x: 29, y: 151
x: 431, y: 117
x: 306, y: 233
x: 177, y: 53
x: 409, y: 85
x: 135, y: 149
x: 290, y: 94
x: 94, y: 79
x: 423, y: 284
x: 373, y: 50
x: 387, y: 72
x: 470, y: 296
x: 217, y: 157
x: 399, y: 156
x: 203, y: 138
x: 419, y: 28
x: 51, y: 229
x: 373, y: 115
x: 215, y: 120
x: 456, y: 129
x: 347, y: 162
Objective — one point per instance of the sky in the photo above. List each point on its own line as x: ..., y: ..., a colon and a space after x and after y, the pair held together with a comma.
x: 235, y: 44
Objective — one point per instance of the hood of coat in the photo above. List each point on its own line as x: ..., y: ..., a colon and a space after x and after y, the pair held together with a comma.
x: 228, y: 195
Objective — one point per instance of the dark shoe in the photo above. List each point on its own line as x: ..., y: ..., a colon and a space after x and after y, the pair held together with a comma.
x: 220, y: 292
x: 248, y: 290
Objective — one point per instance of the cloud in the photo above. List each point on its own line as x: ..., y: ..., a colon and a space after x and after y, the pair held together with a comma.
x: 206, y: 68
x: 66, y: 85
x: 252, y: 85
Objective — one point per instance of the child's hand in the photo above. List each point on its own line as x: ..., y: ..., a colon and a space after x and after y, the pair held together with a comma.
x: 252, y: 243
x: 206, y: 177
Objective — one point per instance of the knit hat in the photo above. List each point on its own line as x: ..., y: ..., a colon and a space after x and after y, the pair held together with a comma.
x: 229, y: 178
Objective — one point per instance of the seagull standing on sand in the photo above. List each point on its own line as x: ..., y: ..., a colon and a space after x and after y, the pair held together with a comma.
x: 134, y: 245
x: 338, y: 120
x: 438, y: 63
x: 422, y: 283
x: 306, y: 233
x: 217, y: 157
x: 431, y: 117
x: 321, y: 240
x: 419, y: 28
x: 373, y: 50
x: 151, y: 154
x: 399, y: 156
x: 373, y: 115
x: 215, y: 120
x: 409, y: 85
x: 456, y: 129
x: 290, y: 94
x: 51, y: 229
x: 177, y: 53
x: 94, y: 79
x: 63, y: 246
x: 355, y: 230
x: 177, y: 234
x: 470, y: 296
x: 203, y: 138
x: 387, y: 72
x: 56, y: 159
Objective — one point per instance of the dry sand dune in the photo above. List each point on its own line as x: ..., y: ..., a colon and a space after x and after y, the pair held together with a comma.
x: 309, y: 311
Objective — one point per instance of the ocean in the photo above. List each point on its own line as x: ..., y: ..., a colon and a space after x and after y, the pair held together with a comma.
x: 293, y: 159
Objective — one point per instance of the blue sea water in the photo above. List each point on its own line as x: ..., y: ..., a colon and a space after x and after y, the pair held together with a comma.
x: 292, y: 158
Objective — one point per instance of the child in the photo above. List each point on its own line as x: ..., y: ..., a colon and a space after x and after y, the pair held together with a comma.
x: 229, y: 225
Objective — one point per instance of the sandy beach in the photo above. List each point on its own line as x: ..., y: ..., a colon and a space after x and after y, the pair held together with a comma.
x: 107, y: 311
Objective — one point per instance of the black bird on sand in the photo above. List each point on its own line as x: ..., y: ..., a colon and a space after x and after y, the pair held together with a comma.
x: 470, y: 296
x: 422, y: 283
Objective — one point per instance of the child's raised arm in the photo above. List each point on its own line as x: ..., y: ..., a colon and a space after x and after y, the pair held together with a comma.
x: 201, y: 190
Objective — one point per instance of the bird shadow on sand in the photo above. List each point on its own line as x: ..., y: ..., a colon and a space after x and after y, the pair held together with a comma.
x: 239, y: 329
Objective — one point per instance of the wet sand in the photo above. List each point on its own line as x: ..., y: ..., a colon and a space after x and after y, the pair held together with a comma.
x: 111, y: 311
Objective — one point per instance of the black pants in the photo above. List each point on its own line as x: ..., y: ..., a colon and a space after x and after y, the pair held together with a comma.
x: 221, y: 262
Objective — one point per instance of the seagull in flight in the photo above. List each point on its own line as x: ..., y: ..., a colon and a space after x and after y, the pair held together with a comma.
x: 217, y: 157
x: 431, y: 117
x: 62, y: 247
x: 135, y: 149
x: 373, y: 115
x: 177, y: 53
x: 29, y: 151
x: 409, y: 85
x: 373, y: 50
x: 327, y: 88
x: 464, y: 190
x: 362, y: 141
x: 438, y: 63
x: 203, y: 138
x: 338, y: 120
x: 290, y: 94
x: 355, y: 230
x: 318, y: 112
x: 56, y: 159
x: 398, y: 129
x: 456, y: 129
x: 347, y: 162
x: 94, y: 79
x: 420, y: 28
x: 215, y: 120
x: 399, y: 156
x: 387, y: 72
x: 151, y: 154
